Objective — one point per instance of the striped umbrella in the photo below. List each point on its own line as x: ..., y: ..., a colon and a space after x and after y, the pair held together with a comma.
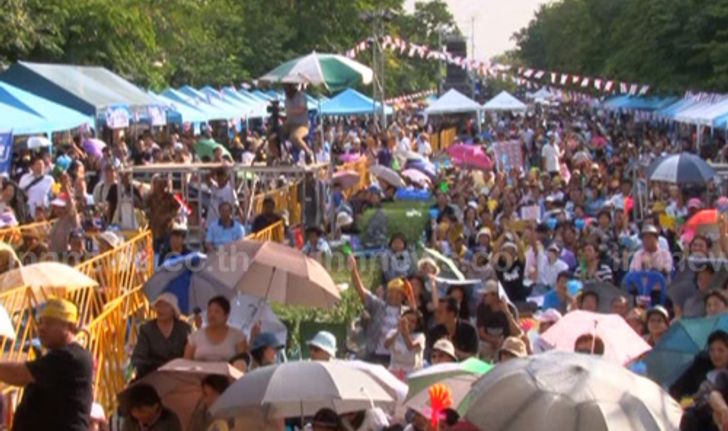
x: 684, y: 168
x: 330, y: 70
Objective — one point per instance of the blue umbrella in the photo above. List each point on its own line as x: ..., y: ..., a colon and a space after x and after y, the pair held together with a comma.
x: 684, y: 168
x: 186, y: 278
x: 677, y: 348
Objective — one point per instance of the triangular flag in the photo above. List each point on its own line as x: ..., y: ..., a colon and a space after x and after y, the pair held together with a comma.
x: 539, y: 74
x: 633, y: 89
x: 553, y: 78
x: 575, y: 79
x: 623, y: 89
x: 644, y: 90
x: 608, y: 86
x: 564, y: 79
x: 598, y: 84
x: 585, y: 83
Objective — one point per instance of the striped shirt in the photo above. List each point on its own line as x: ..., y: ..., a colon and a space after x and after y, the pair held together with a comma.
x: 603, y: 274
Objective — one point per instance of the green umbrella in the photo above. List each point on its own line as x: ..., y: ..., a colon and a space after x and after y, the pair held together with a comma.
x: 207, y: 147
x: 457, y: 376
x: 333, y: 71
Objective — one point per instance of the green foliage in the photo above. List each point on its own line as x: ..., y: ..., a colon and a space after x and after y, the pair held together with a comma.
x: 159, y: 43
x: 407, y: 218
x: 671, y: 44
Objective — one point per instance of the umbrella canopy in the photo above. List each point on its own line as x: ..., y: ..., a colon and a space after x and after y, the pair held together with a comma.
x: 207, y: 147
x: 183, y: 277
x: 581, y: 157
x: 330, y: 70
x: 423, y: 166
x: 396, y: 388
x: 94, y: 147
x: 7, y: 328
x: 301, y: 388
x: 568, y: 392
x: 677, y: 348
x: 684, y: 168
x: 458, y: 376
x: 48, y: 275
x: 453, y: 102
x: 178, y: 384
x: 702, y: 217
x: 274, y: 272
x: 449, y: 265
x: 347, y: 178
x: 416, y: 177
x: 36, y: 142
x: 387, y: 175
x: 470, y: 156
x: 622, y: 344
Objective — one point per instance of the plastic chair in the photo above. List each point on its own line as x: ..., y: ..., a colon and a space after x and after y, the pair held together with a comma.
x: 643, y: 283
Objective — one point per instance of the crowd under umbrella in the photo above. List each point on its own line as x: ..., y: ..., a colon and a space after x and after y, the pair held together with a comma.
x: 273, y: 272
x: 568, y: 392
x: 347, y: 178
x: 622, y: 344
x: 471, y: 156
x: 179, y: 384
x: 681, y: 169
x: 300, y: 389
x: 677, y: 348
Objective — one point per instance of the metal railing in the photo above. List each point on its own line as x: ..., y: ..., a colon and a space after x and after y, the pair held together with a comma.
x: 286, y: 198
x: 14, y: 235
x: 275, y: 232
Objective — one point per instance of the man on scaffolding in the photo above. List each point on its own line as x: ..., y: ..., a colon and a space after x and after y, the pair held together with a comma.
x: 296, y: 125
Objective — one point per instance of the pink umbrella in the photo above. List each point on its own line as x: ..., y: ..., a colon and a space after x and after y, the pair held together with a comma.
x: 93, y: 147
x: 470, y: 155
x: 349, y: 157
x: 622, y: 344
x: 416, y: 176
x: 347, y: 178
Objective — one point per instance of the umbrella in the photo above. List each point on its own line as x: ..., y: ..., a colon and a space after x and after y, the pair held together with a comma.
x: 178, y: 384
x: 8, y: 257
x: 568, y: 392
x: 684, y: 168
x: 622, y: 344
x: 274, y: 272
x: 416, y: 177
x: 48, y: 275
x: 301, y: 388
x: 330, y: 70
x: 94, y: 147
x: 677, y: 348
x: 396, y: 388
x: 449, y: 264
x: 702, y: 217
x: 458, y: 376
x: 423, y: 166
x: 35, y: 142
x: 387, y: 175
x: 184, y: 278
x: 207, y: 147
x: 470, y: 155
x: 7, y: 329
x: 347, y: 178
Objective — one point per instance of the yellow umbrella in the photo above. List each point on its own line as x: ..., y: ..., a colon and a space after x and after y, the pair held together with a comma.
x: 49, y: 275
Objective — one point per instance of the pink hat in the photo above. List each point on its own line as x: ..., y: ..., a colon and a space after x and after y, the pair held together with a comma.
x: 695, y: 203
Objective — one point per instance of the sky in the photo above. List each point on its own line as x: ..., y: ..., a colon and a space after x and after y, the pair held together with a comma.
x: 495, y: 22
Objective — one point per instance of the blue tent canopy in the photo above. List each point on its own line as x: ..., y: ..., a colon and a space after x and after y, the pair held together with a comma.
x: 244, y: 107
x: 262, y: 95
x: 211, y: 112
x: 231, y: 111
x: 351, y: 102
x: 20, y: 122
x: 55, y: 117
x: 638, y: 103
x: 180, y: 112
x: 257, y: 107
x: 86, y: 89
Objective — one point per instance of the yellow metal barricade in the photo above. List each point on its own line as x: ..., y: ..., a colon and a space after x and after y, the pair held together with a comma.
x: 275, y: 232
x: 286, y: 198
x: 14, y: 235
x: 361, y: 167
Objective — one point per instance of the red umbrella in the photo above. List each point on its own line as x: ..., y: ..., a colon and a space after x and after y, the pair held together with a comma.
x: 702, y: 217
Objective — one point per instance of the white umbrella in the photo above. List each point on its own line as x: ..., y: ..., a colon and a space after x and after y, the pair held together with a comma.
x: 6, y: 325
x: 297, y: 389
x: 396, y: 388
x: 568, y: 392
x: 388, y: 175
x: 35, y: 142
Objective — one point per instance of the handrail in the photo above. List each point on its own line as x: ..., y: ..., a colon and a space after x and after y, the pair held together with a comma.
x: 285, y: 198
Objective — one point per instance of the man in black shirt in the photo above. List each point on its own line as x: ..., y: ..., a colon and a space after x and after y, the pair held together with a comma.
x: 58, y: 392
x: 267, y: 217
x: 461, y: 333
x: 495, y: 321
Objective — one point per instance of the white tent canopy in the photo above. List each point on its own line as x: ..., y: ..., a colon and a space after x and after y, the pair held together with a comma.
x: 542, y: 94
x: 504, y: 102
x: 453, y: 102
x: 703, y: 113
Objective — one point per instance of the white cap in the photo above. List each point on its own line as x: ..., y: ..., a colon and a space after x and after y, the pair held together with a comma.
x: 170, y: 300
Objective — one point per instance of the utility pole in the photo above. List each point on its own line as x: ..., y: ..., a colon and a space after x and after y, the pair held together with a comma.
x: 377, y: 19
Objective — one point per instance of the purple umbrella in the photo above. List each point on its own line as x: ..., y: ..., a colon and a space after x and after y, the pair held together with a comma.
x: 470, y: 155
x: 93, y: 147
x: 416, y: 176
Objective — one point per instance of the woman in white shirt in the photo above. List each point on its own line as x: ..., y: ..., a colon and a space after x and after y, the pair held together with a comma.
x: 406, y: 344
x: 216, y: 342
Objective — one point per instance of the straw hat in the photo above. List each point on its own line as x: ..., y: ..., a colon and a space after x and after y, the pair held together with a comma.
x: 168, y: 299
x: 515, y: 346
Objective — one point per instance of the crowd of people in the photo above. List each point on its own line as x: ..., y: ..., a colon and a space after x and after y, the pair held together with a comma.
x: 558, y: 229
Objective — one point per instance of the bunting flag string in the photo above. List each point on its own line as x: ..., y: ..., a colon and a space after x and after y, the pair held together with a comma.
x: 519, y: 75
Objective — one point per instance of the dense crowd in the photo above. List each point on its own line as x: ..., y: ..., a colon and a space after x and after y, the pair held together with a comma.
x: 562, y: 224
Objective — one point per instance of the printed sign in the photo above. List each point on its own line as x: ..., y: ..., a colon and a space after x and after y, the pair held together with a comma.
x: 117, y: 118
x: 6, y: 151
